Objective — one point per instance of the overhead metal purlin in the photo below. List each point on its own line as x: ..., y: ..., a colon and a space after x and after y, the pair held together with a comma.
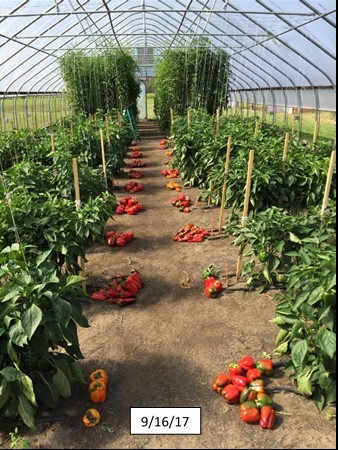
x: 158, y: 24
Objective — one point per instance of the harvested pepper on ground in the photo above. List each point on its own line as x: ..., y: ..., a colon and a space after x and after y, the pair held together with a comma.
x: 220, y: 382
x: 99, y: 374
x: 97, y: 391
x: 234, y: 369
x: 267, y: 417
x: 263, y: 400
x: 91, y: 418
x: 122, y: 289
x: 265, y: 365
x: 231, y: 394
x: 253, y: 374
x: 239, y: 381
x: 257, y: 386
x: 247, y: 362
x: 249, y: 412
x: 247, y: 394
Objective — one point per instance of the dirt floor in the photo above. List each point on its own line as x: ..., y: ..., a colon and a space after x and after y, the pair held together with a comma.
x: 165, y: 349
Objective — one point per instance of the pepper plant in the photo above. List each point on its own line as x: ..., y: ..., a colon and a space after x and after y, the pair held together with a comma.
x: 306, y: 316
x: 40, y: 311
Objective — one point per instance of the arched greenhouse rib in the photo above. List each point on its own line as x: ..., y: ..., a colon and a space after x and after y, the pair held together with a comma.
x: 149, y: 303
x: 282, y: 54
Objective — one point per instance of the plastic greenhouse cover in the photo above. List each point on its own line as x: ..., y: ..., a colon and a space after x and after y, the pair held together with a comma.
x: 272, y: 43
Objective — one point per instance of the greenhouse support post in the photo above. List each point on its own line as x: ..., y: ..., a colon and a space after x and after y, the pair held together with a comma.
x: 210, y: 192
x: 171, y: 116
x: 78, y: 206
x: 224, y: 190
x: 315, y: 132
x: 257, y: 128
x: 286, y: 147
x: 52, y: 141
x: 217, y: 124
x: 328, y: 183
x: 119, y: 119
x: 107, y: 129
x: 103, y: 159
x: 245, y: 210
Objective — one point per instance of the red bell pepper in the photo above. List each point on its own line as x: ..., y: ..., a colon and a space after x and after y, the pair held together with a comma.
x: 268, y: 417
x: 263, y: 400
x: 231, y: 394
x: 239, y: 381
x: 253, y: 374
x: 247, y: 362
x: 234, y: 369
x: 265, y: 365
x: 247, y: 394
x: 220, y: 382
x: 257, y: 386
x: 249, y: 412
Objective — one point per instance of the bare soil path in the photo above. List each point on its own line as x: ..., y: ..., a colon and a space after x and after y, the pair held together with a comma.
x: 165, y: 349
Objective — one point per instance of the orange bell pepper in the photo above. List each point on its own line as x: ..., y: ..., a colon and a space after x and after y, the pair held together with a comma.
x: 91, y: 418
x: 97, y: 391
x: 99, y: 375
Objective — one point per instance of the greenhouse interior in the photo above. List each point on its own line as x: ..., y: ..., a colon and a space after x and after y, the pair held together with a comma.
x: 228, y: 108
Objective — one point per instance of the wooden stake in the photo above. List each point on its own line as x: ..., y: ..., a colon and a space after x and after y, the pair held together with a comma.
x: 256, y: 128
x: 328, y: 183
x: 217, y: 123
x: 315, y: 132
x: 119, y: 119
x: 78, y: 206
x: 210, y: 193
x: 286, y: 147
x: 245, y: 210
x: 226, y: 269
x: 189, y: 118
x: 224, y: 190
x: 52, y: 142
x: 212, y: 226
x: 103, y: 159
x: 72, y: 132
x: 107, y: 130
x: 171, y: 116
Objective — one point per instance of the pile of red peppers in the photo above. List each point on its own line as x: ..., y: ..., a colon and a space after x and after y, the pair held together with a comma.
x: 244, y: 384
x: 191, y: 233
x: 122, y: 289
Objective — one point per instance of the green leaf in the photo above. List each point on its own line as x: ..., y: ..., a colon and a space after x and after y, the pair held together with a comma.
x: 294, y: 238
x: 61, y: 384
x: 77, y: 373
x: 28, y: 389
x: 63, y: 310
x: 304, y: 385
x: 46, y: 393
x: 11, y: 374
x: 18, y: 334
x: 12, y: 295
x: 5, y: 392
x: 31, y: 319
x: 74, y: 279
x: 42, y: 257
x: 316, y: 295
x: 26, y: 411
x: 327, y: 342
x: 299, y: 352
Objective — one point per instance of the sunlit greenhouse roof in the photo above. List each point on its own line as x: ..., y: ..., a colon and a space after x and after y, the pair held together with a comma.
x: 272, y: 44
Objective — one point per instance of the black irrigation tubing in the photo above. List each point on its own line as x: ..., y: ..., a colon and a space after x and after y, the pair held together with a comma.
x: 20, y: 423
